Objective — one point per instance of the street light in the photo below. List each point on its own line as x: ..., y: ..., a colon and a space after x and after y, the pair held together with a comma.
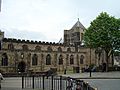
x: 90, y: 63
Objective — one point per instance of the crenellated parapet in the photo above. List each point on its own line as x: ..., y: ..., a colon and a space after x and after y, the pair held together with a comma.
x: 12, y: 44
x: 12, y: 40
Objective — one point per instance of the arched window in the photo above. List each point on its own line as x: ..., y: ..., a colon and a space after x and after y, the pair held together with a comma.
x: 69, y: 49
x: 49, y: 49
x: 71, y: 59
x: 34, y: 59
x: 59, y: 49
x: 38, y: 48
x: 48, y: 59
x: 25, y: 47
x: 81, y: 59
x: 10, y: 46
x: 4, y: 60
x: 60, y: 60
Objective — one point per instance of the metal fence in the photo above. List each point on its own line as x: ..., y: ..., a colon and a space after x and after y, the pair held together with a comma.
x: 54, y: 83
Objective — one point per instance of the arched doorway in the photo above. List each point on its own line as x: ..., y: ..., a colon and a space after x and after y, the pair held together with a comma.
x: 21, y: 66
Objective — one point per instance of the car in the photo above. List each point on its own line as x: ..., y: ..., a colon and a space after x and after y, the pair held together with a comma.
x: 93, y: 69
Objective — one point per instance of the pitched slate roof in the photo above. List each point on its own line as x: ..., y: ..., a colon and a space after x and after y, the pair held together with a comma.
x: 78, y: 24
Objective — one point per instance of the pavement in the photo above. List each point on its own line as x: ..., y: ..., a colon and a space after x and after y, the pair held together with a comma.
x: 100, y: 80
x: 101, y: 75
x: 13, y: 88
x: 15, y: 83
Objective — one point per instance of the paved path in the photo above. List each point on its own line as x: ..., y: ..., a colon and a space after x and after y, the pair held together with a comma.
x: 106, y: 81
x: 104, y: 84
x: 13, y: 83
x: 95, y: 75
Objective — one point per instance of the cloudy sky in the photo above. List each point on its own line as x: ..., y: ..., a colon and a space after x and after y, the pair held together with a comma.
x: 45, y: 20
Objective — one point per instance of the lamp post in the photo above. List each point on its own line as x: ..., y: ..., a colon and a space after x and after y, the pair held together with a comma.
x: 90, y: 63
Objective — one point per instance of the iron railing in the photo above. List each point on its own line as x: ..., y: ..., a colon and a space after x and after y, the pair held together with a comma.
x: 54, y: 83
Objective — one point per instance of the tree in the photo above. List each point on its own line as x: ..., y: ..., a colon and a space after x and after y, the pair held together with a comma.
x: 104, y: 32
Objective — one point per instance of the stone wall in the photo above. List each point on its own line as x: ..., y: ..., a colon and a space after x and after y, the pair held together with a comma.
x: 14, y: 55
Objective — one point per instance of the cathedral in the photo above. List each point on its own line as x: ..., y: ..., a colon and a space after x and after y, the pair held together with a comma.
x: 18, y: 55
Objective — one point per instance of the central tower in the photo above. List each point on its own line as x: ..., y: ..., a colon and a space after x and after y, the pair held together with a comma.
x: 74, y: 35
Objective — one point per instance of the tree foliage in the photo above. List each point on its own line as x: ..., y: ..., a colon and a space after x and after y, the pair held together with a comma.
x: 104, y: 32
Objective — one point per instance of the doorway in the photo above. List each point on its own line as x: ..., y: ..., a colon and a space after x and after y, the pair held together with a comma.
x: 21, y: 66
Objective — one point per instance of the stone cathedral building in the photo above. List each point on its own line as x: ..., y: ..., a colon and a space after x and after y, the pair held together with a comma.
x: 36, y: 56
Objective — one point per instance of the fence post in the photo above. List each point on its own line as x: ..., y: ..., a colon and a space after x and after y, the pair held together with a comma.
x: 52, y: 83
x: 43, y: 82
x: 22, y: 82
x: 60, y: 82
x: 33, y: 82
